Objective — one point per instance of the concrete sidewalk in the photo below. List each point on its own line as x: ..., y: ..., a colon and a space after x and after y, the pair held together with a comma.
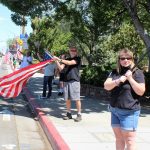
x: 93, y: 132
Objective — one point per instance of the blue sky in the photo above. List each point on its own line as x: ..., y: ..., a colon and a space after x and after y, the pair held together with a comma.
x: 7, y: 28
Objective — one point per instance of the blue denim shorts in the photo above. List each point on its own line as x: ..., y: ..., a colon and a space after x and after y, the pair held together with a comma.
x: 123, y: 118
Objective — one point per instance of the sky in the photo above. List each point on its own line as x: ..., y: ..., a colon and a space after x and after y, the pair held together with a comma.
x: 8, y: 29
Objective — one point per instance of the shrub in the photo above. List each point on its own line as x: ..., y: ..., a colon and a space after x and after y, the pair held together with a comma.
x: 96, y: 76
x: 93, y: 75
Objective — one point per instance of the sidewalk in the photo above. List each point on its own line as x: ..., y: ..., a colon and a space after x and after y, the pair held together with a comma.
x: 93, y: 132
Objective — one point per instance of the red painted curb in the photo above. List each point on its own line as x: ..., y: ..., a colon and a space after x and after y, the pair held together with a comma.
x: 53, y: 135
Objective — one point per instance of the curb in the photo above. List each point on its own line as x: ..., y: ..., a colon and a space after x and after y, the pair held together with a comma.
x: 51, y: 132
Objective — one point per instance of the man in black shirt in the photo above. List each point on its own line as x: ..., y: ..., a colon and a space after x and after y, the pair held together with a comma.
x: 70, y: 67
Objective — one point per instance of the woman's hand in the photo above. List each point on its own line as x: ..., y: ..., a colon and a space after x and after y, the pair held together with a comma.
x: 128, y: 74
x: 122, y: 79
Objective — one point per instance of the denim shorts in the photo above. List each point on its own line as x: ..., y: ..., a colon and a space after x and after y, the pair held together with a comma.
x: 123, y: 118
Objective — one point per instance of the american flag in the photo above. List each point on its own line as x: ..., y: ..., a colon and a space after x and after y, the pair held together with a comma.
x: 11, y: 85
x: 47, y: 55
x: 19, y: 55
x: 7, y: 57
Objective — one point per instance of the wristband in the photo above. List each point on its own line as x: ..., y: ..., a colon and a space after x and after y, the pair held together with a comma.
x: 60, y: 60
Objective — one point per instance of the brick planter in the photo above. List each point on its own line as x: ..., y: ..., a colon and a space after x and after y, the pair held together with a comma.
x: 93, y: 91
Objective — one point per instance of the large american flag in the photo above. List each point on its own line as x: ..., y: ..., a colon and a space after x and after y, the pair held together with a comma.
x: 11, y: 85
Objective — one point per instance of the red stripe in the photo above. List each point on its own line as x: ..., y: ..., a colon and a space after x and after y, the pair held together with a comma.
x: 13, y: 83
x: 15, y: 88
x: 16, y: 79
x: 2, y: 91
x: 5, y: 79
x: 18, y: 90
x: 9, y: 91
x: 41, y: 64
x: 19, y: 82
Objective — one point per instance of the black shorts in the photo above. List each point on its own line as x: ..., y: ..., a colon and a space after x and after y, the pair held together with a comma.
x: 61, y: 77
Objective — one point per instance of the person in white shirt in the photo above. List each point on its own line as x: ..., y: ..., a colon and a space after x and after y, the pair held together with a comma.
x: 27, y: 60
x: 49, y: 72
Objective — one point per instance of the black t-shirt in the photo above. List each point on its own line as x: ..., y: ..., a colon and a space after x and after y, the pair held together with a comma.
x: 71, y: 72
x: 123, y: 95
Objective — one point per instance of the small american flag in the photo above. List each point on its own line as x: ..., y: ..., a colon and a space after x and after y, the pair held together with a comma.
x: 19, y: 55
x: 7, y: 57
x: 11, y: 85
x: 47, y: 56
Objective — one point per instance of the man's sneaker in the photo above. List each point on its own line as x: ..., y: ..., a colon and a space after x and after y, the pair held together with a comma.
x: 42, y: 97
x: 78, y: 118
x: 68, y: 116
x: 60, y: 93
x: 48, y: 96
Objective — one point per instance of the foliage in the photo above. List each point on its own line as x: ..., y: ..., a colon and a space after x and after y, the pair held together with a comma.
x: 100, y: 28
x: 125, y: 37
x: 89, y: 21
x: 94, y: 75
x: 50, y: 35
x: 24, y: 8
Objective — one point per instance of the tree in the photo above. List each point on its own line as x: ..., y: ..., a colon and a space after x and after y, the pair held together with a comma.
x: 21, y: 9
x: 50, y: 34
x: 134, y: 9
x: 90, y: 20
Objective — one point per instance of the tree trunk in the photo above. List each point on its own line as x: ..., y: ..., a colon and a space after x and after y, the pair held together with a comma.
x: 131, y: 7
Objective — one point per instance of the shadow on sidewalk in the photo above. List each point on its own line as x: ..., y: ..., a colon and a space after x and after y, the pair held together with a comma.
x: 55, y: 106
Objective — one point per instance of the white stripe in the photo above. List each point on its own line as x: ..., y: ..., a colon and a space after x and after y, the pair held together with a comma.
x: 34, y: 69
x: 7, y: 87
x: 23, y: 77
x: 20, y: 81
x: 17, y: 75
x: 19, y: 87
x: 5, y: 91
x: 12, y: 91
x: 22, y: 73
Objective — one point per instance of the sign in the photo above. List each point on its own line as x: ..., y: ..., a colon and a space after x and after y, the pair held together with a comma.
x: 24, y: 38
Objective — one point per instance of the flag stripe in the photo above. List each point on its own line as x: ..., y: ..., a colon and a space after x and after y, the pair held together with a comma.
x: 22, y: 71
x: 13, y: 77
x: 12, y: 84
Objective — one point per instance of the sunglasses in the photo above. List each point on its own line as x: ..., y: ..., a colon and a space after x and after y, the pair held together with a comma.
x: 123, y: 58
x: 73, y: 50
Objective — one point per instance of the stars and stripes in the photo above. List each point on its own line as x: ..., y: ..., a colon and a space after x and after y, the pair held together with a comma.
x: 19, y: 55
x: 11, y: 85
x: 47, y: 56
x: 7, y: 57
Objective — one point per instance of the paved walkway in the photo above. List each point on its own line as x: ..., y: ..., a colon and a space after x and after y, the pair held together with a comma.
x: 93, y: 132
